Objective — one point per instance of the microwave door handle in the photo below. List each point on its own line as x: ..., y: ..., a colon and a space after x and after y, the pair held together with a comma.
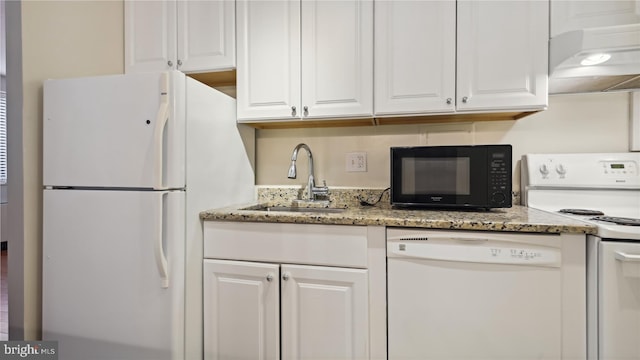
x: 624, y: 257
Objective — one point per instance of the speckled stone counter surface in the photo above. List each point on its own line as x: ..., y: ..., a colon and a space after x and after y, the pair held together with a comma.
x: 516, y: 219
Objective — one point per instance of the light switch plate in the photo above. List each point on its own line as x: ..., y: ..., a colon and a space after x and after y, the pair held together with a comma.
x: 356, y: 162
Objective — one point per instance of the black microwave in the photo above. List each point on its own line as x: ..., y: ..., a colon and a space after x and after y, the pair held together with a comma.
x: 469, y: 176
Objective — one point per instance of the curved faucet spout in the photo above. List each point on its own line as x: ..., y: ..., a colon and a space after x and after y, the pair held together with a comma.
x: 311, y: 186
x: 294, y: 157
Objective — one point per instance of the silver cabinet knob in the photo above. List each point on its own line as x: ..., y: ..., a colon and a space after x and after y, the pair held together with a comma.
x: 449, y: 101
x: 465, y: 99
x: 179, y: 62
x: 286, y: 276
x: 293, y: 111
x: 170, y: 63
x: 306, y: 110
x: 269, y: 277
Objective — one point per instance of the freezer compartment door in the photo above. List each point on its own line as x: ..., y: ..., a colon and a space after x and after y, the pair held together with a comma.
x: 113, y: 273
x: 124, y: 131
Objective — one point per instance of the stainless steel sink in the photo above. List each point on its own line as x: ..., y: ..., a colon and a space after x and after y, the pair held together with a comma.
x: 294, y: 209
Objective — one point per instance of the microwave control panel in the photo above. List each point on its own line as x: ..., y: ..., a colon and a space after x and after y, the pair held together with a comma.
x: 499, y: 177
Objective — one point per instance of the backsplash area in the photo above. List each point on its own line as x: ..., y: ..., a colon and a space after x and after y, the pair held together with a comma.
x: 573, y: 123
x: 339, y: 197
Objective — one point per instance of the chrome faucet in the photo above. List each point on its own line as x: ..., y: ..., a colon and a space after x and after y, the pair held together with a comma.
x: 312, y: 190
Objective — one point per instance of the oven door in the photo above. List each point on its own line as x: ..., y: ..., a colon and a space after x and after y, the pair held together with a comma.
x: 618, y: 299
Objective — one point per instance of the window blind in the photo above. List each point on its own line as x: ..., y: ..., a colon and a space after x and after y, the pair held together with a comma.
x: 3, y: 137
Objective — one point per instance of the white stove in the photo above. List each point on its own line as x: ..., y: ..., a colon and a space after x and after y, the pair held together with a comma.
x: 608, y: 185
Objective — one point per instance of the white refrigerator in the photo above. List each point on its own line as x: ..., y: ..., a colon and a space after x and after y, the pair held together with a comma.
x: 128, y: 163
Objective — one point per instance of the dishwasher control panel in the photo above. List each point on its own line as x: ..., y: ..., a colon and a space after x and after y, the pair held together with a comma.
x: 485, y: 247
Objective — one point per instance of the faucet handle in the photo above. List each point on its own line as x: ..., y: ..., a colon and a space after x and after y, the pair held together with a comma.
x: 321, y: 190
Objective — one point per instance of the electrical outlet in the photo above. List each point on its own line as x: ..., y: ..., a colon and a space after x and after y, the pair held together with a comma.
x: 356, y: 162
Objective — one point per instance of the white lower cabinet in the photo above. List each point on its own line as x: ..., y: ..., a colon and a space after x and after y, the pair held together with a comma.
x: 241, y: 310
x: 324, y: 313
x: 291, y: 291
x: 320, y: 311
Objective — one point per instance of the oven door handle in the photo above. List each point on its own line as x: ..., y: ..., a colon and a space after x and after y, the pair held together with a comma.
x: 626, y: 257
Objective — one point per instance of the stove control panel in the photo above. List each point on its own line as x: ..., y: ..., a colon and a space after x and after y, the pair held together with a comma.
x: 619, y: 168
x: 615, y: 170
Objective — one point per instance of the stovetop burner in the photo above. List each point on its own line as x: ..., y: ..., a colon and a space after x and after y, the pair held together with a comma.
x: 618, y: 220
x: 581, y: 212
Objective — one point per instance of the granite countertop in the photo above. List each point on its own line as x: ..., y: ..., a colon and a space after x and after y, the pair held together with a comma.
x: 517, y: 218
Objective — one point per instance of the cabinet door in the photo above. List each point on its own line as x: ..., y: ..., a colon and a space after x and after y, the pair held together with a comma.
x: 415, y: 55
x: 241, y: 310
x: 575, y: 15
x: 324, y: 313
x: 268, y: 50
x: 337, y: 58
x: 502, y: 55
x: 150, y: 35
x: 206, y: 35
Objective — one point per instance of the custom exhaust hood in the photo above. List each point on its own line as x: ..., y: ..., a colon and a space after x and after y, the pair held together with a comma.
x: 595, y: 59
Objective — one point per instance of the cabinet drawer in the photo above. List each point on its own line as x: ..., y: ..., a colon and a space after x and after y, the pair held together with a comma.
x: 329, y: 245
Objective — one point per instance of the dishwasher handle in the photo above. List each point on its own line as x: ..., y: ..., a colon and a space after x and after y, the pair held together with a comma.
x: 480, y: 251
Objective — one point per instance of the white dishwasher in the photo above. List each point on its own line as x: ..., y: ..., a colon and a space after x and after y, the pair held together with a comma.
x: 473, y: 295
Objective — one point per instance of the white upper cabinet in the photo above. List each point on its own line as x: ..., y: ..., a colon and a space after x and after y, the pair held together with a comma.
x: 415, y: 56
x: 502, y: 57
x: 484, y: 56
x: 149, y: 35
x: 187, y: 35
x: 268, y: 74
x: 576, y: 15
x: 304, y: 59
x: 337, y: 58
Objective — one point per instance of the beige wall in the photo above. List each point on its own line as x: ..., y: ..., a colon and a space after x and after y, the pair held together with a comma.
x: 572, y: 123
x: 59, y: 39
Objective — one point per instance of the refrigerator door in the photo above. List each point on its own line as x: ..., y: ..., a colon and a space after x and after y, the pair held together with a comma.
x: 122, y: 131
x: 113, y: 274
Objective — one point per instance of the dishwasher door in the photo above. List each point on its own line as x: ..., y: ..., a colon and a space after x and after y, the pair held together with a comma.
x: 473, y: 295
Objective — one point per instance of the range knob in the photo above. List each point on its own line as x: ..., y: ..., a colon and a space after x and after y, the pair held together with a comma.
x: 560, y: 169
x: 544, y: 169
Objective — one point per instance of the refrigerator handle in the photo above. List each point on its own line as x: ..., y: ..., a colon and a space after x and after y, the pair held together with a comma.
x: 161, y: 259
x: 158, y: 136
x: 621, y: 256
